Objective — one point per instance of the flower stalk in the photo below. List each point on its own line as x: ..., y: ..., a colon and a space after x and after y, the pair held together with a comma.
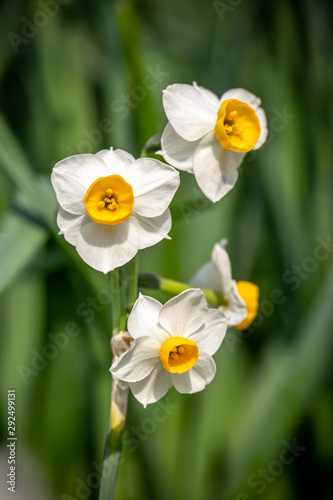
x: 120, y: 342
x: 153, y: 282
x: 116, y: 301
x: 113, y: 446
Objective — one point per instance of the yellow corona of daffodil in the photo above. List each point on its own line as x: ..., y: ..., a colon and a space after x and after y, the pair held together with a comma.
x: 249, y: 292
x: 208, y: 136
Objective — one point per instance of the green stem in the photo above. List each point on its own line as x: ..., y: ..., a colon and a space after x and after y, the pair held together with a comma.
x: 116, y: 301
x: 133, y: 285
x: 123, y: 320
x: 175, y: 287
x: 114, y: 442
x: 112, y: 452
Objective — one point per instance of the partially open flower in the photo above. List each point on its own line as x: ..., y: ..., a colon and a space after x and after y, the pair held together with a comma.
x: 209, y: 136
x: 240, y: 299
x: 173, y: 345
x: 112, y: 205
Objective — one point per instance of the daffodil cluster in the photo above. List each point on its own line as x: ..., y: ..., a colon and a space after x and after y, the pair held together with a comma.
x: 112, y: 205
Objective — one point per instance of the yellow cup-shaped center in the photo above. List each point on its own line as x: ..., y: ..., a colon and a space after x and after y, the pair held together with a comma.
x: 109, y: 200
x: 250, y: 294
x: 237, y: 127
x: 179, y: 354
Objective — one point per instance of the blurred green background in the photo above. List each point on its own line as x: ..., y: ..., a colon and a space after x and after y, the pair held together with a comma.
x: 80, y: 76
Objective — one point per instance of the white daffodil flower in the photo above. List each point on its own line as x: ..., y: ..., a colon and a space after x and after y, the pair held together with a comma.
x: 239, y: 299
x: 208, y: 136
x: 112, y: 205
x: 173, y: 346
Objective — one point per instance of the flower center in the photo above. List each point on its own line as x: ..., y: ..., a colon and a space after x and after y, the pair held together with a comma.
x: 109, y: 200
x: 237, y: 127
x: 179, y: 354
x: 250, y: 294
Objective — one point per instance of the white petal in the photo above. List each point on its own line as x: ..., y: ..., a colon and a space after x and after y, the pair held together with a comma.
x: 153, y: 387
x: 69, y: 225
x: 263, y: 125
x: 176, y: 150
x: 197, y: 377
x: 211, y: 99
x: 72, y: 177
x: 221, y: 261
x: 106, y: 247
x: 244, y: 96
x: 207, y: 277
x: 215, y: 168
x: 188, y: 111
x: 154, y: 185
x: 116, y: 160
x: 138, y: 361
x: 184, y: 314
x: 119, y: 162
x: 143, y: 320
x: 236, y: 309
x: 153, y: 229
x: 211, y: 334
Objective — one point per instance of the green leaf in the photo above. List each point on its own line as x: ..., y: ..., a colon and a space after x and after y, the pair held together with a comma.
x: 152, y: 145
x: 286, y: 379
x: 22, y: 311
x: 20, y: 240
x: 17, y: 167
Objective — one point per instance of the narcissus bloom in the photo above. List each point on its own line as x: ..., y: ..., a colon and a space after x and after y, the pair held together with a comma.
x: 239, y: 300
x: 209, y: 136
x: 173, y: 345
x: 112, y: 205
